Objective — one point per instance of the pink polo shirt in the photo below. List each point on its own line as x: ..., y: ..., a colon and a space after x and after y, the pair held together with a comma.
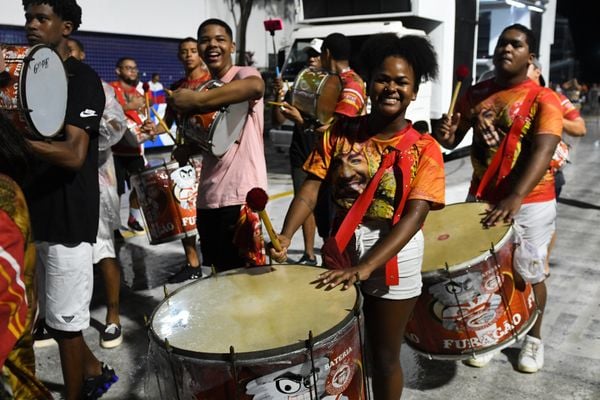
x: 227, y: 180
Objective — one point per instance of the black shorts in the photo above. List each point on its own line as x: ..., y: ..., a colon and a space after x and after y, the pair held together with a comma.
x: 125, y: 166
x: 216, y: 228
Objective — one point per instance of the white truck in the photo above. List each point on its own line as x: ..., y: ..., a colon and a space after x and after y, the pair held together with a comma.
x: 433, y: 18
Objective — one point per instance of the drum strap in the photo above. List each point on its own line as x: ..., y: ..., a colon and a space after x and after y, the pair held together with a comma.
x: 502, y: 162
x: 396, y: 156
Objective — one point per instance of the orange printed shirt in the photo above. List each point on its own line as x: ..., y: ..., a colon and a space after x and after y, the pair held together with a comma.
x: 569, y: 111
x: 501, y: 105
x: 349, y: 158
x: 351, y: 101
x: 17, y: 260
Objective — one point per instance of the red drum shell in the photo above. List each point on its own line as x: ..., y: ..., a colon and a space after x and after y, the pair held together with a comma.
x: 477, y: 304
x: 167, y: 195
x: 243, y: 334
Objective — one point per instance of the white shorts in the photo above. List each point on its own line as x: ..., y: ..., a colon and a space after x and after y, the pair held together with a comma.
x: 410, y: 259
x: 534, y: 224
x: 105, y: 242
x: 67, y: 278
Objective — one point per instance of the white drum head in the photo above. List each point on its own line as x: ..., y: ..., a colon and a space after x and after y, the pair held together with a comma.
x: 228, y: 127
x: 45, y: 91
x: 253, y: 310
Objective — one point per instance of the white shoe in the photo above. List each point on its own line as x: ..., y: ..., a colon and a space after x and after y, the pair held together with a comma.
x: 531, y: 357
x: 480, y: 360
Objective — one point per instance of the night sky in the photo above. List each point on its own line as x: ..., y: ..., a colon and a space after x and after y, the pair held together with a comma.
x: 583, y: 23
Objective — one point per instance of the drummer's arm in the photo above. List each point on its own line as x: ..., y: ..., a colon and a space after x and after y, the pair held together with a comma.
x: 302, y: 206
x: 237, y: 91
x: 69, y: 154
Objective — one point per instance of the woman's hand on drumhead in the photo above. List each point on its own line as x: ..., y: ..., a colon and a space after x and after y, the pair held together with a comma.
x: 280, y: 256
x: 335, y: 277
x: 504, y: 211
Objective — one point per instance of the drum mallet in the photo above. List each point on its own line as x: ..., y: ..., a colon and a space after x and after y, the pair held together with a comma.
x: 461, y: 73
x: 257, y: 199
x: 146, y: 87
x: 272, y: 25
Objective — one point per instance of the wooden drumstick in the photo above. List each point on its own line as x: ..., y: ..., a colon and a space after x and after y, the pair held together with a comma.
x: 163, y: 124
x: 461, y: 73
x: 257, y: 200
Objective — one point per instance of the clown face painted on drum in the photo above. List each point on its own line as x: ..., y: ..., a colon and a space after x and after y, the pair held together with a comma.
x: 43, y: 26
x: 297, y: 382
x: 464, y: 300
x: 216, y: 48
x: 185, y: 188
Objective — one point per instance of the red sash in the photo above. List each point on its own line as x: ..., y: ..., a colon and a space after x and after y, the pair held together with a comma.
x: 502, y: 162
x: 334, y: 248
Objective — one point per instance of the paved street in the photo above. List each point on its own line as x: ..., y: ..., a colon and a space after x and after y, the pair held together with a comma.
x: 571, y: 327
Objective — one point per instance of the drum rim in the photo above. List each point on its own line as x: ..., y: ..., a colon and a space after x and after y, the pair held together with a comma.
x: 473, y: 261
x: 23, y: 101
x: 251, y: 356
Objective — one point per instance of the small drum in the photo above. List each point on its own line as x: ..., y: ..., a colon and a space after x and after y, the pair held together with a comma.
x: 215, y: 132
x: 472, y: 302
x: 257, y: 333
x: 35, y: 100
x: 167, y: 195
x: 315, y: 93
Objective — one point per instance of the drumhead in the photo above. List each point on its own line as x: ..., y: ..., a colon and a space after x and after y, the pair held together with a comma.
x: 455, y: 236
x: 45, y: 88
x: 315, y: 93
x: 258, y: 311
x: 227, y: 127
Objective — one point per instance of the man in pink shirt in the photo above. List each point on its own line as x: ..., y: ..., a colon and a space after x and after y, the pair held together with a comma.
x: 226, y: 180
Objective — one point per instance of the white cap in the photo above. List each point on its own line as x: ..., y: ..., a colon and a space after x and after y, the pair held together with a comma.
x: 315, y: 45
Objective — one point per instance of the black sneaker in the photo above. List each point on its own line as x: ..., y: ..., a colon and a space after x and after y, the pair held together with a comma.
x: 41, y: 336
x: 305, y: 260
x: 187, y: 272
x: 134, y: 225
x: 95, y: 386
x: 112, y: 336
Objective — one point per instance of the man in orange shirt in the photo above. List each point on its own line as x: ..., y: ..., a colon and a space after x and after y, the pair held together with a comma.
x: 516, y: 127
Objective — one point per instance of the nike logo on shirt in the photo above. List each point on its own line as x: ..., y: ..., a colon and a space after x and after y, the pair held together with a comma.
x: 88, y: 113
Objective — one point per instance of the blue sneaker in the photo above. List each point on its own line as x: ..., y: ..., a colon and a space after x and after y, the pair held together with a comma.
x: 94, y: 387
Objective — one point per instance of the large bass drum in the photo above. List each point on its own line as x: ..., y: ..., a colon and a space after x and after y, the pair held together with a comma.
x: 258, y: 333
x: 472, y: 302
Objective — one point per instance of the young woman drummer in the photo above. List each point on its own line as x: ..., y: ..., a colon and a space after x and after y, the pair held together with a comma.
x: 348, y: 155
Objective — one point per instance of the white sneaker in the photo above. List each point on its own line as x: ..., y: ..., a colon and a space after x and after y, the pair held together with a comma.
x: 480, y: 360
x: 531, y: 357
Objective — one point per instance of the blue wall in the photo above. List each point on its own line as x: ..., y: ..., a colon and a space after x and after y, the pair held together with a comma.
x: 103, y: 50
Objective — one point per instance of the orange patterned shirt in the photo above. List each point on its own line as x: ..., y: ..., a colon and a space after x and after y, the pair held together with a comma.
x: 502, y: 105
x: 349, y: 158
